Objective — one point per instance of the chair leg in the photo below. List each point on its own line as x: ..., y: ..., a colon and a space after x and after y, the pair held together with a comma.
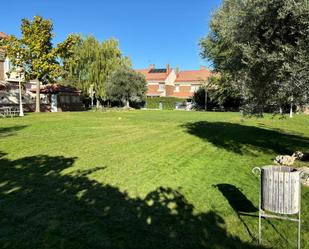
x: 260, y: 227
x: 299, y: 227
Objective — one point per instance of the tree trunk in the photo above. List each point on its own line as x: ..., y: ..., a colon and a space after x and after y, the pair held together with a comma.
x: 280, y: 111
x: 127, y: 104
x: 291, y: 110
x: 37, y: 97
x: 91, y: 101
x: 205, y: 99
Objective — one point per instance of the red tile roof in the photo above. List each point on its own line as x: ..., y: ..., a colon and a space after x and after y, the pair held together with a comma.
x: 56, y: 88
x: 154, y: 76
x: 193, y: 75
x: 3, y: 35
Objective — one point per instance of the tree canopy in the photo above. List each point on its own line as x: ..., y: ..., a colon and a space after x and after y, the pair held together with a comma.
x: 126, y: 85
x: 262, y: 47
x: 35, y: 54
x: 92, y: 63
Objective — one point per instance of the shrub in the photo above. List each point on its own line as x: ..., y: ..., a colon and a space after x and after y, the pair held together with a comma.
x: 199, y: 100
x: 168, y: 103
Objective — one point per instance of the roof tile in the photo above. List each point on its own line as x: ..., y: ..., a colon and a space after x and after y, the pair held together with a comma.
x: 3, y: 35
x: 193, y: 75
x: 154, y: 76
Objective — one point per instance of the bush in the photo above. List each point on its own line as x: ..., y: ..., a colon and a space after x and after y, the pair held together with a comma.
x: 199, y: 100
x: 215, y: 101
x: 168, y: 103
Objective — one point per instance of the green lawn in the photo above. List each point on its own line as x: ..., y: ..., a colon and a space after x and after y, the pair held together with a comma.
x: 141, y: 179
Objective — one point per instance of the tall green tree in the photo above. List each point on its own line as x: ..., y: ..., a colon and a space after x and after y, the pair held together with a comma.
x: 35, y: 53
x: 262, y: 47
x: 126, y: 85
x: 92, y: 64
x: 223, y: 91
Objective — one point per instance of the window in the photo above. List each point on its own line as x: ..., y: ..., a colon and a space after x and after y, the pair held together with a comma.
x: 62, y: 99
x: 75, y: 99
x: 65, y: 99
x: 194, y: 88
x: 161, y: 87
x: 177, y: 88
x: 7, y: 66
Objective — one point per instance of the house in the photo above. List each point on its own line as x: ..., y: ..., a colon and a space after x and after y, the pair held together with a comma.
x: 9, y: 83
x: 160, y: 82
x: 2, y: 58
x: 61, y: 98
x: 6, y: 73
x: 166, y: 82
x: 189, y: 81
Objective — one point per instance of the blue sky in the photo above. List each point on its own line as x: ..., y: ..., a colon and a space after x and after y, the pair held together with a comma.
x: 150, y: 32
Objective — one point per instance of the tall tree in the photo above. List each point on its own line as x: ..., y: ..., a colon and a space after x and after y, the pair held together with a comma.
x: 35, y: 53
x: 126, y: 85
x: 92, y: 64
x: 262, y: 47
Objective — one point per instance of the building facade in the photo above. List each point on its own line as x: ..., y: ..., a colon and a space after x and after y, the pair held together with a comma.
x: 167, y: 82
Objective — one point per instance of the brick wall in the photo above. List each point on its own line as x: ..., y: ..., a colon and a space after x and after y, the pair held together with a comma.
x: 153, y: 89
x: 169, y: 90
x: 184, y: 92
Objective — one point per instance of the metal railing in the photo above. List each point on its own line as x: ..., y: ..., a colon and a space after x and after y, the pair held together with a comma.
x: 8, y: 111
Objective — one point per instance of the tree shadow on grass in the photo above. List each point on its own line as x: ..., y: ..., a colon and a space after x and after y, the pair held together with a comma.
x: 239, y: 202
x: 243, y: 207
x: 10, y: 131
x: 41, y: 207
x: 240, y: 138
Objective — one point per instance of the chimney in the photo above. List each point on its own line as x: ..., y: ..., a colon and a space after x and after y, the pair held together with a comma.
x: 151, y: 66
x: 168, y: 68
x: 177, y: 71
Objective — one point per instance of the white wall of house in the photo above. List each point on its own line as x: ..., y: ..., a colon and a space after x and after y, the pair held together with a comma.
x: 194, y: 85
x: 161, y: 86
x: 9, y: 75
x: 12, y: 98
x: 170, y: 79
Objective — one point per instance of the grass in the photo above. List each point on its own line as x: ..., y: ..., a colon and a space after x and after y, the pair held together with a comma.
x: 142, y: 179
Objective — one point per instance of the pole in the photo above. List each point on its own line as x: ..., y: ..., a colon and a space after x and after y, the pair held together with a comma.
x: 291, y: 107
x: 21, y: 111
x: 291, y: 111
x: 260, y: 212
x: 258, y: 171
x: 299, y: 217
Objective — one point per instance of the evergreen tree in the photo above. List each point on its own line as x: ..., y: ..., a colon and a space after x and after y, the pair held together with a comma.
x: 126, y: 85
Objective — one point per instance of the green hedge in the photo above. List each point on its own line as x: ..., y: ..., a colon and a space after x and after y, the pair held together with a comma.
x: 168, y: 103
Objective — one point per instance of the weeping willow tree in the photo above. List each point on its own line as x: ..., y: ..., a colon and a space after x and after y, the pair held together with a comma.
x: 92, y: 64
